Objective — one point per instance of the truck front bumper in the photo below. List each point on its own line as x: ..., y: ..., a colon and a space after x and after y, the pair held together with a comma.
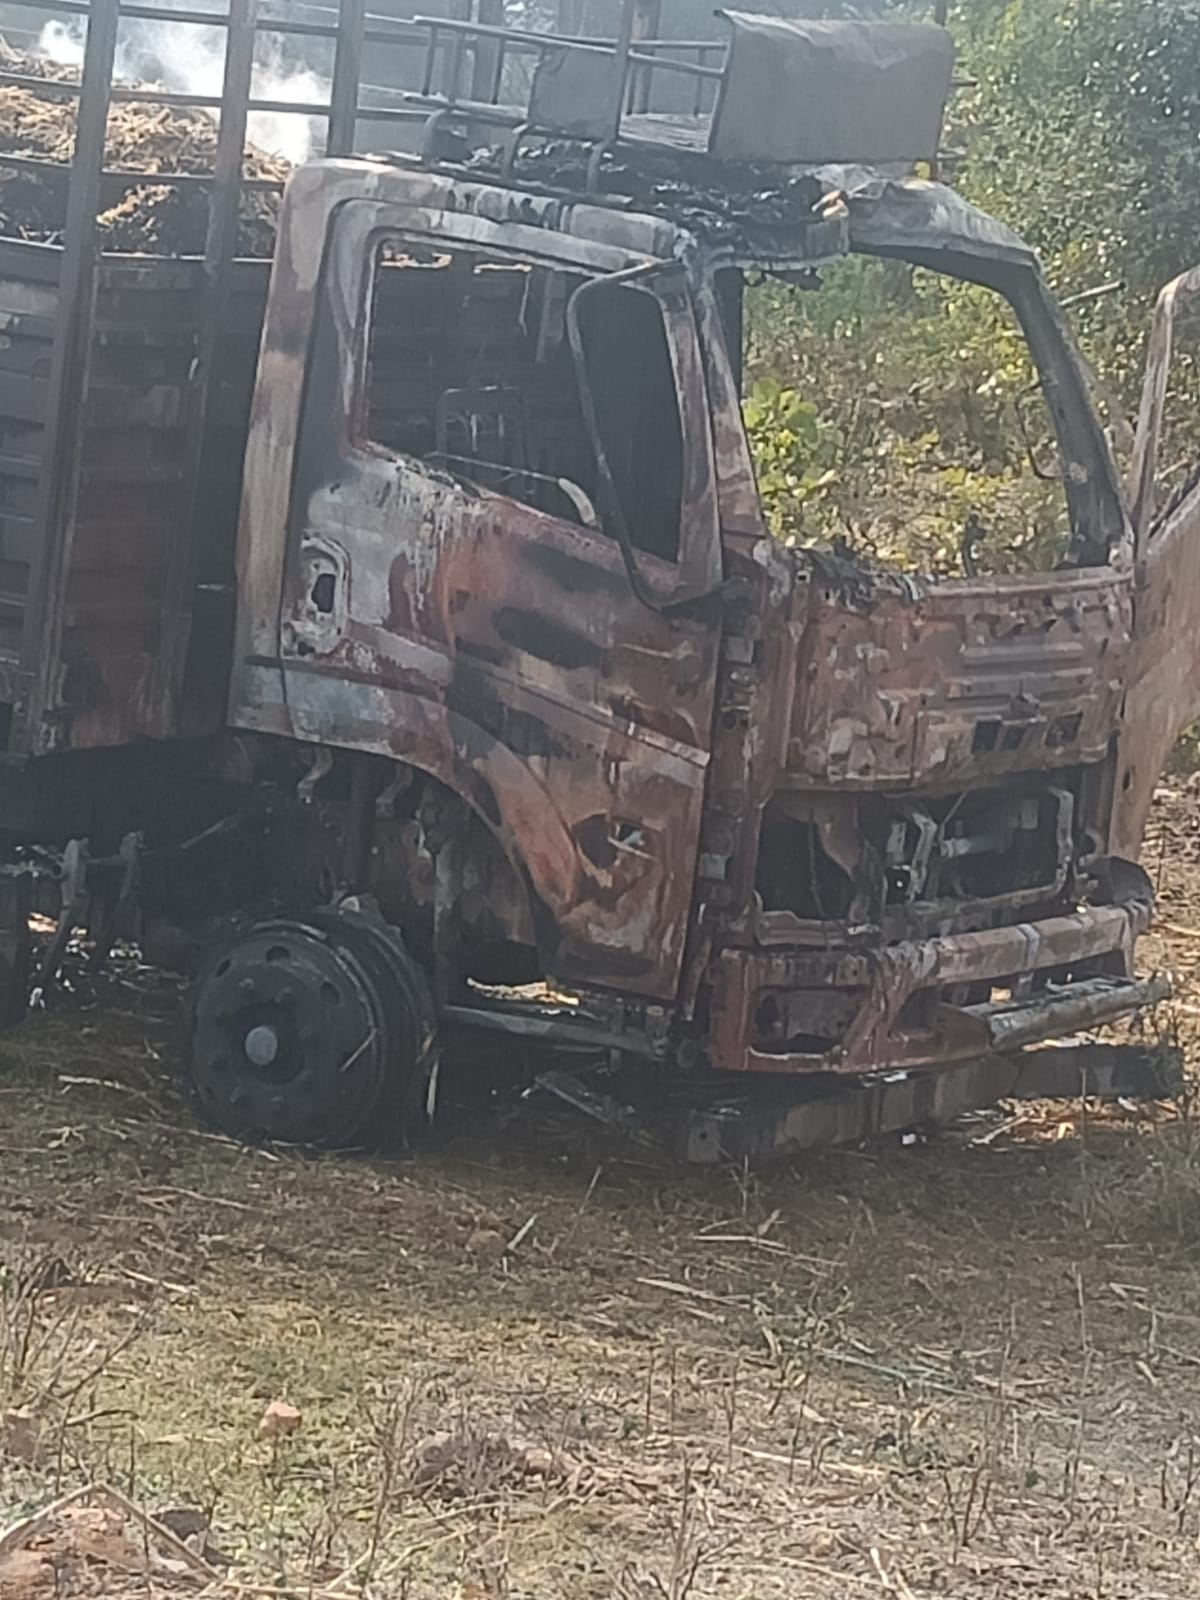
x: 927, y: 1002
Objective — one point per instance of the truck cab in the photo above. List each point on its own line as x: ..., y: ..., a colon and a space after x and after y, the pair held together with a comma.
x: 505, y: 710
x: 500, y: 526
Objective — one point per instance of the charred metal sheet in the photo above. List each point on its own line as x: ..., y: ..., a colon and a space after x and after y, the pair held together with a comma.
x: 902, y: 682
x: 770, y: 1124
x: 603, y: 1108
x: 565, y: 1027
x: 885, y: 1031
x: 1012, y: 1023
x: 1142, y: 469
x: 1162, y: 692
x: 1163, y: 696
x: 817, y: 91
x: 493, y: 646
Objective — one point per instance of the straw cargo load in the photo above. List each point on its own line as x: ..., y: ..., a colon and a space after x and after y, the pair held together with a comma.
x: 156, y: 217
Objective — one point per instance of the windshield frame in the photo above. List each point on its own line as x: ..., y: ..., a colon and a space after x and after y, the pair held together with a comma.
x: 1101, y: 532
x: 929, y: 226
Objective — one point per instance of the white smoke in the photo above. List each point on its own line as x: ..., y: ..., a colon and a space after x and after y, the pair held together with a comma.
x: 187, y: 59
x: 60, y: 43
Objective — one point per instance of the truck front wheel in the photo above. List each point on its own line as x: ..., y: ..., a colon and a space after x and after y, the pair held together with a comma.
x: 315, y: 1030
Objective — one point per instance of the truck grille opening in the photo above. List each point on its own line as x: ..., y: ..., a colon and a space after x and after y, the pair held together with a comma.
x: 912, y: 866
x: 797, y: 874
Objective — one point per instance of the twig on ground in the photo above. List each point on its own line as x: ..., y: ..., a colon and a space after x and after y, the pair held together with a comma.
x: 161, y: 1191
x: 688, y: 1290
x: 521, y: 1234
x: 21, y: 1532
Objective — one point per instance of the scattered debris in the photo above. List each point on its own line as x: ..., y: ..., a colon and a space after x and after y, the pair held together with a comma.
x: 71, y: 1550
x: 467, y: 1463
x: 604, y: 1108
x: 193, y: 1526
x: 486, y: 1243
x: 279, y: 1420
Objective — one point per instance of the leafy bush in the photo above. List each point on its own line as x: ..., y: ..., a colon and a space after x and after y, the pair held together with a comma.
x: 898, y: 412
x: 893, y: 407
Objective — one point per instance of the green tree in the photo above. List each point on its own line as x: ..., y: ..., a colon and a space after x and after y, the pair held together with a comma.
x: 1081, y: 128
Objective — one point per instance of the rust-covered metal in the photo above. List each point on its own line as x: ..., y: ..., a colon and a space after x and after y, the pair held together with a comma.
x: 130, y: 450
x: 88, y: 666
x: 757, y: 1125
x: 1163, y: 681
x: 841, y: 819
x: 507, y: 643
x: 491, y: 646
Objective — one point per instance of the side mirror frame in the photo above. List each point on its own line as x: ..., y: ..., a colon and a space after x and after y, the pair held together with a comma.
x: 691, y: 587
x: 1154, y: 394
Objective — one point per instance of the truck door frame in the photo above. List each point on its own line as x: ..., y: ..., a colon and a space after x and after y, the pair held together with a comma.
x: 601, y: 812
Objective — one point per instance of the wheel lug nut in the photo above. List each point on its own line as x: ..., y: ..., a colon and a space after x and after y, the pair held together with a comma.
x: 247, y: 988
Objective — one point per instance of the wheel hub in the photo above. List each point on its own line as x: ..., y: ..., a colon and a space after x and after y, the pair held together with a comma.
x: 261, y: 1044
x: 300, y: 1028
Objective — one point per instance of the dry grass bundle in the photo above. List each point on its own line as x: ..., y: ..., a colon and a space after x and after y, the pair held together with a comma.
x: 156, y: 218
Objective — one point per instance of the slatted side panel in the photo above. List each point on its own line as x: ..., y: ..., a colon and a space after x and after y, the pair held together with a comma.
x: 28, y: 310
x: 206, y: 680
x: 129, y: 506
x: 132, y: 502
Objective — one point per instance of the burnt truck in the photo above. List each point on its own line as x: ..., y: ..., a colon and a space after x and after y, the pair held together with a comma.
x: 390, y: 632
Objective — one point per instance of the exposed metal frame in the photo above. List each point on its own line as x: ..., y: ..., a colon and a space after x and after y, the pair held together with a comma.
x: 451, y: 43
x: 89, y: 182
x: 763, y: 1126
x: 66, y: 396
x: 1142, y: 469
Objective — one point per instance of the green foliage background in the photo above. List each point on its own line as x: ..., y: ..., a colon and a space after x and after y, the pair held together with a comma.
x: 892, y: 405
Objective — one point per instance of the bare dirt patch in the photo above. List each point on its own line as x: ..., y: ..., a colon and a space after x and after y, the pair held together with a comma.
x: 531, y: 1363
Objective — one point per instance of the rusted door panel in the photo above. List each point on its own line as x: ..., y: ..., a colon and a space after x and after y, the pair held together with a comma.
x: 577, y: 720
x: 906, y: 684
x: 610, y: 902
x: 1162, y: 695
x: 503, y: 650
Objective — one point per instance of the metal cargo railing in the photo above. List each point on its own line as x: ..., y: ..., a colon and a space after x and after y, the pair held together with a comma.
x: 350, y: 28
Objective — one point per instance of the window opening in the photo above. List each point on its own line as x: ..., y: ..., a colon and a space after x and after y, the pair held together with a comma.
x: 470, y: 370
x: 898, y: 411
x: 628, y: 368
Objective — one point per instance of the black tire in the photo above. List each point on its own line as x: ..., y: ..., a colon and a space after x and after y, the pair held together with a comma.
x: 314, y: 1031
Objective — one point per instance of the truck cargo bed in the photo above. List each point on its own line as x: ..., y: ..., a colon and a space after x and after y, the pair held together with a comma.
x: 133, y: 503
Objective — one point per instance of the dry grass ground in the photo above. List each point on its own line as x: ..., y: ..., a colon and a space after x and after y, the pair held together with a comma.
x: 537, y: 1366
